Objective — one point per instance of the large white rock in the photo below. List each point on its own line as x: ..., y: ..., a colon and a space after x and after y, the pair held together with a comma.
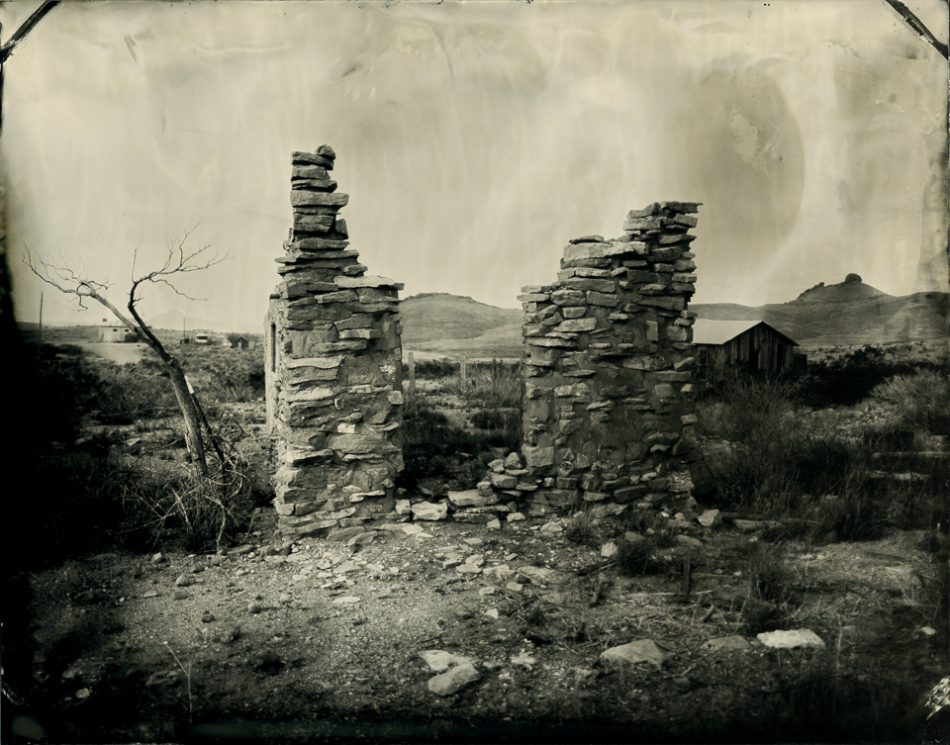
x: 430, y: 511
x: 790, y: 639
x: 439, y: 660
x: 644, y: 650
x: 454, y: 679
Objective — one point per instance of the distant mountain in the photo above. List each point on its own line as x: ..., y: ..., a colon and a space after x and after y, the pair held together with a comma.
x: 452, y: 324
x: 849, y: 312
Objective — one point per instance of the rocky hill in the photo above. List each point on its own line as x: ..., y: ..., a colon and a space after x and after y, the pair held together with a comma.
x: 849, y: 312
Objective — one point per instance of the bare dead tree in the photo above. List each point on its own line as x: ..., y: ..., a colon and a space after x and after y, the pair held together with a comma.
x: 178, y: 261
x: 18, y: 36
x: 936, y: 191
x: 918, y: 26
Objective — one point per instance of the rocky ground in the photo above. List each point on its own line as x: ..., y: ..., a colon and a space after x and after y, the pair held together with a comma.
x: 439, y: 630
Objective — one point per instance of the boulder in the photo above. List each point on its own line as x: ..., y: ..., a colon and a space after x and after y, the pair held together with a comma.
x: 454, y: 679
x: 644, y: 650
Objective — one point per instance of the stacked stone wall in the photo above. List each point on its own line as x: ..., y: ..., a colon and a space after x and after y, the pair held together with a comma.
x: 608, y: 413
x: 334, y: 392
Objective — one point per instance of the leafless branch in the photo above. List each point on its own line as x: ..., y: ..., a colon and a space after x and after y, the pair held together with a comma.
x: 911, y: 19
x: 35, y: 17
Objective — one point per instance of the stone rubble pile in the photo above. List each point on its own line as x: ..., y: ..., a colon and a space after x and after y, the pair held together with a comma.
x: 334, y: 390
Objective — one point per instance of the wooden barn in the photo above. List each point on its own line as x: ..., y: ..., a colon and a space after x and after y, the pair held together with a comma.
x: 727, y: 348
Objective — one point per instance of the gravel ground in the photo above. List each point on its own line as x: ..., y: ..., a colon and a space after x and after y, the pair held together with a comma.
x: 322, y: 641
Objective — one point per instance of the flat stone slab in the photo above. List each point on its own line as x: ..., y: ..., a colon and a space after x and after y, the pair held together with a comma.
x: 454, y: 680
x: 633, y: 653
x: 537, y: 575
x: 439, y: 660
x: 734, y: 643
x: 367, y: 281
x: 790, y: 639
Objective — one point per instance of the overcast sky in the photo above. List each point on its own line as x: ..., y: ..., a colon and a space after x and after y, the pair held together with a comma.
x: 476, y: 138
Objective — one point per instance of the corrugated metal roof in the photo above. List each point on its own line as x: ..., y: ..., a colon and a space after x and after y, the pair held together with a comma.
x: 707, y: 331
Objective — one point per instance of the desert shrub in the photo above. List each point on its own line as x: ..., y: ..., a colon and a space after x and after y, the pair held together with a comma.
x: 128, y: 393
x: 580, y: 529
x: 222, y: 374
x: 767, y: 572
x: 203, y: 511
x: 769, y: 587
x: 848, y: 379
x: 778, y: 462
x: 434, y: 447
x: 495, y: 384
x: 432, y: 369
x: 499, y: 428
x: 635, y: 558
x: 757, y: 418
x: 919, y: 400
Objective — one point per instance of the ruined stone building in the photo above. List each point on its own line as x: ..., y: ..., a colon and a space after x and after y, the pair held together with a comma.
x: 607, y: 375
x: 333, y: 368
x: 608, y: 412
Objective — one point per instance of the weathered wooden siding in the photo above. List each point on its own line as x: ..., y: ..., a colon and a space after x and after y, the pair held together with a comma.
x: 759, y: 350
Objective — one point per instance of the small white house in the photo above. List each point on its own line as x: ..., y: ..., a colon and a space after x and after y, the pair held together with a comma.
x: 116, y: 334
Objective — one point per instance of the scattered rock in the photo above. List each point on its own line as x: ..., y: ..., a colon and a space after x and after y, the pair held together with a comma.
x: 430, y: 511
x: 523, y: 659
x: 347, y: 600
x: 689, y: 541
x: 471, y: 498
x: 183, y: 580
x: 748, y: 526
x: 439, y: 660
x: 362, y: 539
x: 83, y: 693
x: 790, y: 639
x: 412, y: 529
x: 493, y: 524
x: 150, y: 594
x: 492, y: 613
x: 514, y: 586
x: 207, y: 617
x: 180, y: 595
x: 255, y: 606
x: 644, y: 650
x: 537, y: 575
x: 454, y: 679
x: 727, y: 643
x: 905, y: 580
x: 162, y: 678
x: 608, y: 550
x: 515, y: 517
x: 552, y: 527
x: 710, y: 518
x: 228, y: 635
x: 158, y: 558
x: 468, y: 569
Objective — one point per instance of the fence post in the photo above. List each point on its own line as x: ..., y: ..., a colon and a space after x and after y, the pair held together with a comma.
x: 412, y: 377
